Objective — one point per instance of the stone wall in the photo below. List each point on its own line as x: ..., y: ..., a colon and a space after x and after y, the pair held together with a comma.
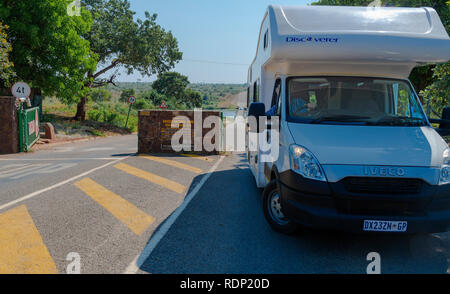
x: 155, y: 131
x: 9, y: 133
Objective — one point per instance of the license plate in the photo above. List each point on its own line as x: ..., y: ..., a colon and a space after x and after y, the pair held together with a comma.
x: 385, y: 226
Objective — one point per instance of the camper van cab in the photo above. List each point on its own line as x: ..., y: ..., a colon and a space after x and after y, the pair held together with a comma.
x: 356, y: 149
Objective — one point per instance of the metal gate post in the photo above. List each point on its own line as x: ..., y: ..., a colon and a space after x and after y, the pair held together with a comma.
x: 21, y: 129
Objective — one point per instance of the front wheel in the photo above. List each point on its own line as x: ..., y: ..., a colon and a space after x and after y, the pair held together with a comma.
x: 273, y: 211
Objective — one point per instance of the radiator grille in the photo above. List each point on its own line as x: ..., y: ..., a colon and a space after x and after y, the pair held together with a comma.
x: 382, y: 185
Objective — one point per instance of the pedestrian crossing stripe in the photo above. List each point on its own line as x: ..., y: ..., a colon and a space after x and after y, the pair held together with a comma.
x: 22, y: 249
x: 166, y: 183
x: 173, y: 163
x: 136, y: 220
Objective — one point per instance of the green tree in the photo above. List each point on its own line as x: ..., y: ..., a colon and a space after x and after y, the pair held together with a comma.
x: 154, y: 97
x: 48, y: 51
x: 438, y: 93
x: 121, y: 41
x: 171, y: 84
x: 175, y: 85
x: 126, y: 93
x: 6, y: 66
x: 100, y: 95
x: 192, y: 98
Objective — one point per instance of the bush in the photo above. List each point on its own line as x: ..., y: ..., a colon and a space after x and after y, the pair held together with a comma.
x: 142, y: 104
x: 94, y: 114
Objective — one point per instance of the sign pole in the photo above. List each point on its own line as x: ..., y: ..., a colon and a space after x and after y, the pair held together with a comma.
x: 131, y: 100
x: 22, y: 92
x: 129, y: 109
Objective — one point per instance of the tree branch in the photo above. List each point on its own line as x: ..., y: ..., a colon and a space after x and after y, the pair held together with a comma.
x: 111, y: 66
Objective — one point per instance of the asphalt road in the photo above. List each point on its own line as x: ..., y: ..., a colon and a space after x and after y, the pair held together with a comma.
x: 169, y: 214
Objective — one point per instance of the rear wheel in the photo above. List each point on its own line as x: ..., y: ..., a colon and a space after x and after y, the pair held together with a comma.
x: 273, y: 211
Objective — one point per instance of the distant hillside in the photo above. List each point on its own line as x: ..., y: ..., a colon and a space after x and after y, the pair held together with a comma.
x: 223, y: 96
x: 214, y: 95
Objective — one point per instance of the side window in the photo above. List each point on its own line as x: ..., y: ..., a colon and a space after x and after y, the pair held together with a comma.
x: 248, y: 96
x: 276, y: 92
x: 276, y: 96
x: 279, y: 102
x: 255, y: 92
x: 405, y: 103
x: 266, y: 40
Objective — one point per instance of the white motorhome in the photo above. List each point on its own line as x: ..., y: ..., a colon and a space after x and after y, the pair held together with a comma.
x: 356, y: 149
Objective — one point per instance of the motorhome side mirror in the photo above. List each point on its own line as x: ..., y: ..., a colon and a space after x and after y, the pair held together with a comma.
x: 257, y: 109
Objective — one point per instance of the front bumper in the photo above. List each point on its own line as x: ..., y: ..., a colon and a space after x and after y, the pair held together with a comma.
x: 328, y: 205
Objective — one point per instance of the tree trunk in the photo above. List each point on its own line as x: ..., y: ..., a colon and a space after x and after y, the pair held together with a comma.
x: 81, y: 110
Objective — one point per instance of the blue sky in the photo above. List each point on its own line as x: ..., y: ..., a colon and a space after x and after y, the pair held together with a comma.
x: 216, y: 31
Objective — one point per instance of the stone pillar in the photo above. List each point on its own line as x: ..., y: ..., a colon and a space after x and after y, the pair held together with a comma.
x: 155, y: 131
x: 9, y: 125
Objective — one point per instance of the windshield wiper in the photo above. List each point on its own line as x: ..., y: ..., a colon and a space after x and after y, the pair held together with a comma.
x: 399, y: 121
x: 339, y: 118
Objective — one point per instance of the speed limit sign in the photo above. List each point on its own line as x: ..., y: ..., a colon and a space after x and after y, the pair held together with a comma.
x: 132, y: 100
x: 21, y: 90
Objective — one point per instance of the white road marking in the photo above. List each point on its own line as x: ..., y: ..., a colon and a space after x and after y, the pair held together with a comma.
x: 34, y: 194
x: 97, y: 149
x: 11, y: 167
x: 61, y: 159
x: 48, y: 169
x: 22, y: 172
x: 156, y: 238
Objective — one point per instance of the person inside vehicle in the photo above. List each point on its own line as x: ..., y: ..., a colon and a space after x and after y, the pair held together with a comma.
x: 275, y: 99
x: 300, y: 105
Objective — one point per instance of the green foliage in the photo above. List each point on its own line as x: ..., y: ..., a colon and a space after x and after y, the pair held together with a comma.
x: 171, y: 84
x: 142, y: 103
x: 154, y: 97
x: 438, y: 93
x: 192, y: 99
x: 95, y: 114
x: 100, y: 95
x: 6, y: 66
x: 48, y: 51
x: 120, y: 40
x: 114, y: 114
x: 127, y: 93
x: 174, y: 85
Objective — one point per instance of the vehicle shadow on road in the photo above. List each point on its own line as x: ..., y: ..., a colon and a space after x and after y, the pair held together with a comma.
x: 223, y: 230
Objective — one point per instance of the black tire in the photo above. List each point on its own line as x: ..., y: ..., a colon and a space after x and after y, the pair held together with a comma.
x: 273, y: 212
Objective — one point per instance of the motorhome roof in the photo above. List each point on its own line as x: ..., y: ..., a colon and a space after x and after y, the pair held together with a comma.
x: 382, y: 41
x: 395, y: 21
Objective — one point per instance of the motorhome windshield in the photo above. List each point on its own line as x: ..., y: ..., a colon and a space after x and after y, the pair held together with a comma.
x: 353, y: 101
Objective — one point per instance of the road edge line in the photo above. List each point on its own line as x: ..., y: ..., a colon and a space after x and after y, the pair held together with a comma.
x: 36, y: 193
x: 133, y: 268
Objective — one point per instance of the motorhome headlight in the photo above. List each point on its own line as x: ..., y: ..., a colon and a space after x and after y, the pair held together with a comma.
x: 305, y: 163
x: 445, y: 170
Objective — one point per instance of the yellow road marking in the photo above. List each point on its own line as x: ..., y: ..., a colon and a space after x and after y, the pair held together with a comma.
x: 22, y: 250
x: 173, y: 163
x: 204, y: 158
x: 166, y: 183
x: 137, y: 220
